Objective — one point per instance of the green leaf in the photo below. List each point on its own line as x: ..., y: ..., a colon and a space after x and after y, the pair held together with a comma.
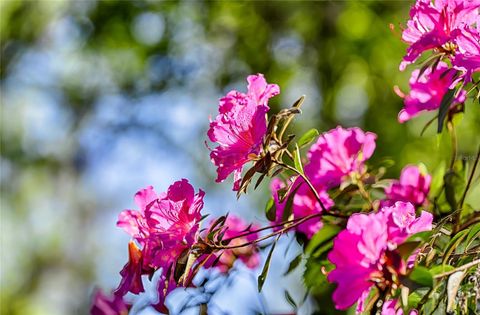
x: 473, y: 235
x: 297, y: 159
x: 450, y: 179
x: 420, y: 237
x: 263, y: 275
x: 294, y: 264
x: 327, y: 232
x: 406, y: 248
x: 452, y: 245
x: 441, y: 269
x: 421, y: 276
x: 287, y: 210
x: 271, y: 210
x: 307, y: 137
x: 444, y: 107
x: 290, y: 300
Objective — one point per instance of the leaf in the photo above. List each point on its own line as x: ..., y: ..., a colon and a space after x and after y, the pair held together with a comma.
x: 288, y: 209
x: 444, y: 107
x: 263, y: 275
x: 453, y: 243
x: 294, y: 264
x: 449, y: 179
x: 297, y: 159
x: 327, y: 232
x: 406, y: 248
x: 290, y: 300
x: 271, y: 210
x: 307, y: 137
x: 441, y: 269
x: 420, y: 237
x: 421, y: 276
x: 473, y: 235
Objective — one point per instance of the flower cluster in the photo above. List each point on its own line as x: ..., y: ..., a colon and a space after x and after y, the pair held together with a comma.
x: 449, y: 28
x: 333, y: 186
x: 240, y: 127
x: 365, y: 253
x: 413, y: 187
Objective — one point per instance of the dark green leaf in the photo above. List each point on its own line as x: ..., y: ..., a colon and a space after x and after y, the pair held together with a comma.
x: 450, y: 179
x: 444, y: 107
x: 290, y: 300
x: 307, y: 137
x: 263, y: 275
x: 473, y: 235
x: 287, y: 210
x: 293, y: 264
x: 271, y: 210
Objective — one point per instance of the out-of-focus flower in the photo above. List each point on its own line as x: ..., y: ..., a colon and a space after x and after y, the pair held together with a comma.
x: 428, y: 90
x: 391, y: 307
x: 338, y: 154
x: 234, y: 226
x: 435, y: 25
x: 105, y: 305
x: 164, y: 287
x: 164, y: 226
x: 365, y: 252
x: 304, y: 204
x: 240, y: 127
x: 413, y: 186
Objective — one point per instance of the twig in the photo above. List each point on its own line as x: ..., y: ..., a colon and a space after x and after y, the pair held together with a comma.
x: 466, y: 266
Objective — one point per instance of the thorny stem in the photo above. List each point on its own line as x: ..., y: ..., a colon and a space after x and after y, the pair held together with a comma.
x: 466, y: 266
x: 470, y: 178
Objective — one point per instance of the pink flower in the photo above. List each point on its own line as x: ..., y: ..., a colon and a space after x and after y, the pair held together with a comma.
x: 164, y: 287
x: 304, y: 204
x: 366, y: 251
x: 104, y: 305
x: 467, y: 59
x: 132, y: 272
x: 433, y: 25
x: 413, y: 186
x: 338, y: 154
x: 427, y: 91
x: 164, y: 226
x: 390, y: 307
x: 240, y: 127
x: 248, y: 255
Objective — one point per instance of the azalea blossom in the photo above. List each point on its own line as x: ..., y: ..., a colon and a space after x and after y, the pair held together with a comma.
x: 427, y: 91
x: 467, y: 59
x: 365, y: 252
x: 339, y: 154
x: 164, y: 226
x: 304, y: 204
x: 413, y: 186
x: 391, y: 307
x: 436, y: 25
x: 234, y: 226
x: 105, y: 305
x: 240, y: 127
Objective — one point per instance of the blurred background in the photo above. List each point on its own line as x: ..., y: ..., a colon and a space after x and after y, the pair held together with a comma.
x: 102, y: 98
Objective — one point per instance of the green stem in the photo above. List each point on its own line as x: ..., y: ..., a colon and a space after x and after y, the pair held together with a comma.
x: 470, y: 178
